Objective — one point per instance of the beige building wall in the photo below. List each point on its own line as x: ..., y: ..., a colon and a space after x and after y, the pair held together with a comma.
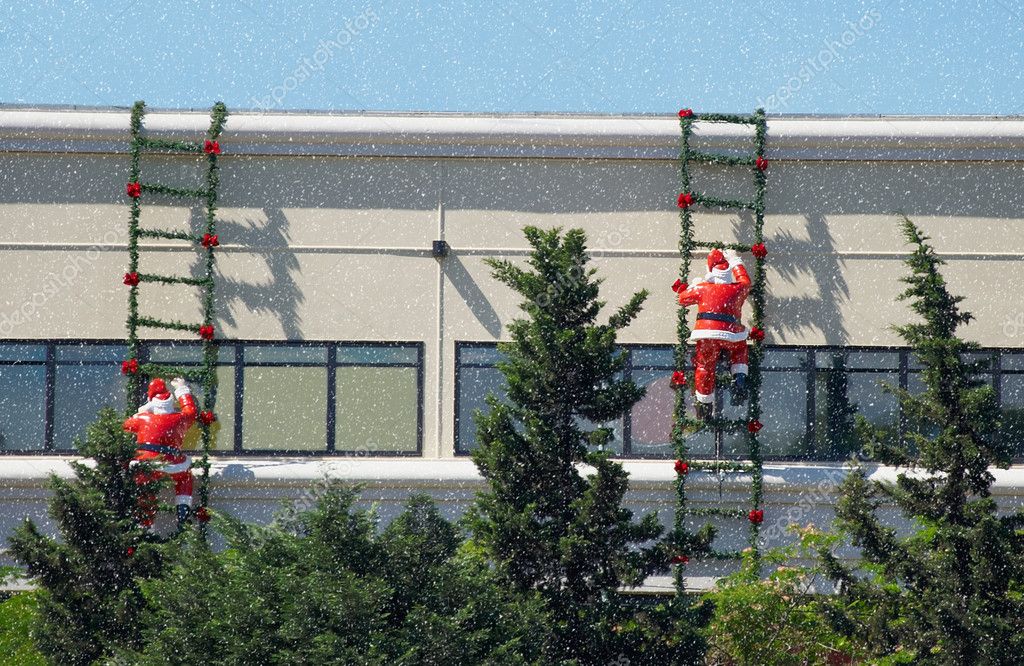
x: 337, y: 247
x: 326, y: 228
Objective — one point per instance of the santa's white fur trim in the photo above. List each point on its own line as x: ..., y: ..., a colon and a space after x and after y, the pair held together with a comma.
x: 739, y: 368
x: 716, y: 334
x: 704, y: 398
x: 177, y: 467
x: 183, y: 499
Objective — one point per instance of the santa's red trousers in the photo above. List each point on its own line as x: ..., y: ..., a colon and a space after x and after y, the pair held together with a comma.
x: 148, y: 503
x: 705, y: 360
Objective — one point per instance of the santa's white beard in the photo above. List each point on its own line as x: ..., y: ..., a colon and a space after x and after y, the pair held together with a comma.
x: 720, y: 276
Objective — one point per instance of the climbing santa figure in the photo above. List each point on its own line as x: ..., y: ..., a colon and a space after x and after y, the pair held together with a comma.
x: 719, y: 299
x: 160, y: 428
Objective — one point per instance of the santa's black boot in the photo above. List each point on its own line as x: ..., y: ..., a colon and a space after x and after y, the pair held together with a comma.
x: 184, y: 516
x: 739, y: 389
x: 703, y: 410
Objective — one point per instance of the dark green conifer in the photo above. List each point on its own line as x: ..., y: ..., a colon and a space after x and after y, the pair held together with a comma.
x: 552, y: 516
x: 949, y: 592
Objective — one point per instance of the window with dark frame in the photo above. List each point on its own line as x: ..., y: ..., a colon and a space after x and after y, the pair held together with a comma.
x: 809, y: 394
x: 352, y: 398
x: 367, y: 398
x: 477, y: 376
x: 25, y: 400
x: 85, y: 378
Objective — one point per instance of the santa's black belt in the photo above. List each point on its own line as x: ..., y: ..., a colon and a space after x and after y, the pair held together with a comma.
x: 157, y: 448
x: 714, y: 316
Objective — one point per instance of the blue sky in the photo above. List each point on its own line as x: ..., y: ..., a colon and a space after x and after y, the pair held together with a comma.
x: 937, y: 57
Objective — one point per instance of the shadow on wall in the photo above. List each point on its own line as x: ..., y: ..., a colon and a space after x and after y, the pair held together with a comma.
x: 815, y: 259
x: 476, y: 300
x: 281, y: 296
x: 836, y: 207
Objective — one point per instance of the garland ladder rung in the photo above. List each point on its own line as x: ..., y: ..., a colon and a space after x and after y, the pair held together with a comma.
x: 717, y: 511
x: 718, y: 158
x: 185, y: 192
x: 717, y: 423
x: 739, y: 247
x: 169, y: 235
x: 724, y: 466
x: 165, y: 145
x: 730, y: 118
x: 716, y: 202
x: 169, y: 279
x: 152, y: 322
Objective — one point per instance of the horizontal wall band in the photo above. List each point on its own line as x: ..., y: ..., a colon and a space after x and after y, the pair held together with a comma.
x: 526, y: 136
x: 469, y: 251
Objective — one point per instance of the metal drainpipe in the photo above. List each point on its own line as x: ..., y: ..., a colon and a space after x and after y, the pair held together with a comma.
x: 440, y: 341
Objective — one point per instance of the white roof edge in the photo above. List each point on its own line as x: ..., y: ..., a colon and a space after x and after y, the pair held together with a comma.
x: 610, y: 137
x: 813, y: 479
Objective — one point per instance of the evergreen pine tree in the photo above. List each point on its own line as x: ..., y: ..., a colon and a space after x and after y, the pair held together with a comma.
x: 950, y: 591
x: 324, y: 587
x: 551, y: 528
x: 837, y: 437
x: 89, y: 600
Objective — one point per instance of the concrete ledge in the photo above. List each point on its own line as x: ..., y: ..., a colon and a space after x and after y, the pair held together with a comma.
x: 255, y: 489
x: 23, y: 472
x: 535, y: 136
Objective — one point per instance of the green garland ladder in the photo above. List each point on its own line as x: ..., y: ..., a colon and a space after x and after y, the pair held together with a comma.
x: 695, y: 544
x: 206, y: 373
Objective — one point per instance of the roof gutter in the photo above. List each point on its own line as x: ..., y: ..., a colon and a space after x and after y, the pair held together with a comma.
x: 488, y: 136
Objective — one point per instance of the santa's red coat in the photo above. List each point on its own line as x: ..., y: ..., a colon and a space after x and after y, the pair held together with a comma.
x: 164, y: 430
x: 721, y: 299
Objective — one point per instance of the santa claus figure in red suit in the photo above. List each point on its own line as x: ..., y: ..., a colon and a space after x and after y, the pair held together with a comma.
x: 719, y: 299
x: 160, y: 428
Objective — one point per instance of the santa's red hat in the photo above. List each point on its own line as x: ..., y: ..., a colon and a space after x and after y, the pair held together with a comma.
x: 158, y: 390
x: 717, y: 260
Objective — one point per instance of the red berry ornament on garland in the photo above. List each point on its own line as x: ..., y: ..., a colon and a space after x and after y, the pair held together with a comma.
x: 680, y: 559
x: 678, y: 379
x: 211, y: 148
x: 134, y: 190
x: 685, y: 113
x: 679, y: 286
x: 761, y: 164
x: 682, y: 468
x: 754, y: 427
x: 759, y: 251
x: 210, y: 240
x: 206, y: 332
x: 202, y: 515
x: 756, y: 334
x: 129, y: 367
x: 207, y: 417
x: 756, y: 516
x: 685, y: 200
x: 131, y: 279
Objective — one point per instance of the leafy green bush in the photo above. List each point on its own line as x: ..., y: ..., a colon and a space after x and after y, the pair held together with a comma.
x: 778, y: 620
x: 17, y: 616
x: 326, y: 587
